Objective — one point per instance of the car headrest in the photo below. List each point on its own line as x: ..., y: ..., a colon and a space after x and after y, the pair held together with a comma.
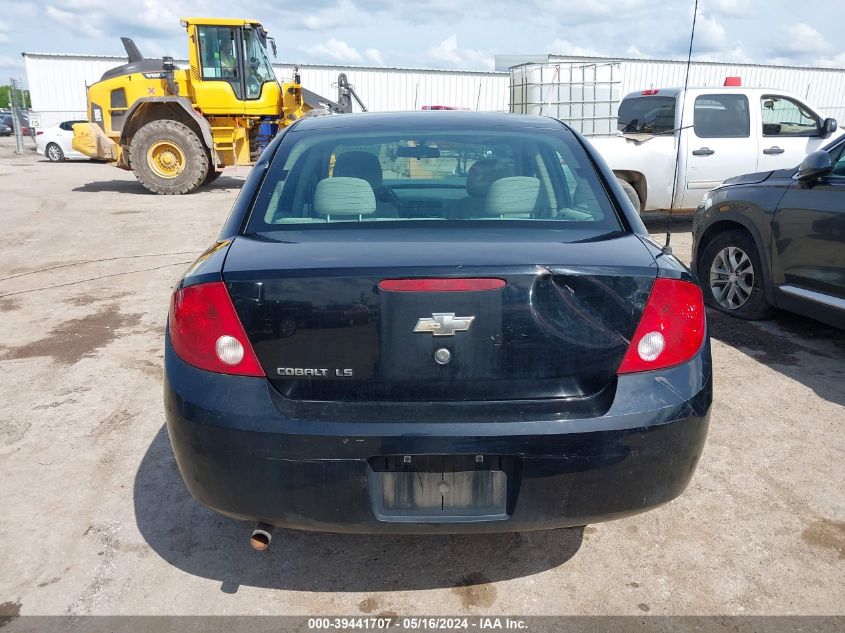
x: 483, y: 173
x: 515, y: 195
x: 341, y: 196
x: 359, y: 165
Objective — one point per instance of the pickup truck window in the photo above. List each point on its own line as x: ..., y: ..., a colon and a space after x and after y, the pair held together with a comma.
x: 721, y: 116
x: 785, y: 117
x: 646, y: 115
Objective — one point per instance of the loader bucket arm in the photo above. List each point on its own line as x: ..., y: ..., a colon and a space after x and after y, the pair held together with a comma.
x: 345, y: 90
x: 345, y: 94
x: 316, y: 102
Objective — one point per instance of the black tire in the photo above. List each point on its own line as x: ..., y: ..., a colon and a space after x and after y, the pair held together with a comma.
x: 54, y: 153
x: 194, y: 160
x: 632, y: 194
x: 212, y: 175
x: 755, y: 305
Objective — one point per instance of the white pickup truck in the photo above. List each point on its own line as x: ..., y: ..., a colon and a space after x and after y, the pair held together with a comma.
x: 725, y: 132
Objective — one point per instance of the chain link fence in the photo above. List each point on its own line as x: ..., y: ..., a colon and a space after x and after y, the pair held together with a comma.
x: 19, y: 106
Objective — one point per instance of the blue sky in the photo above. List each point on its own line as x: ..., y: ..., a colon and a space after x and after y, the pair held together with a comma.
x: 439, y: 33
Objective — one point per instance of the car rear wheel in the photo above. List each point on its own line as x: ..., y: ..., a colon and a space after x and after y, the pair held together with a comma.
x: 732, y: 276
x: 54, y: 153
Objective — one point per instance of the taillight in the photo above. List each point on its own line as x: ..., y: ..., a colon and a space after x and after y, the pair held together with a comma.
x: 205, y: 331
x: 671, y: 329
x: 39, y: 133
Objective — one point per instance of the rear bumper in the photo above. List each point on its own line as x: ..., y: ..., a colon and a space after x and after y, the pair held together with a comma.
x: 239, y: 454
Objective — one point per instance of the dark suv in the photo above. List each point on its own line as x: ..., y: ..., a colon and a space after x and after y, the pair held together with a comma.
x: 776, y: 239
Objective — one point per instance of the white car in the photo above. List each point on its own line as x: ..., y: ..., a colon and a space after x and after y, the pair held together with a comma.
x: 55, y: 142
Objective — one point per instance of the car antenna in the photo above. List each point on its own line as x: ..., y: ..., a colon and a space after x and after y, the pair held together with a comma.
x: 667, y: 247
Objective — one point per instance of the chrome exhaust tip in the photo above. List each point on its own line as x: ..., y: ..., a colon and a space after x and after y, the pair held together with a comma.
x: 261, y: 537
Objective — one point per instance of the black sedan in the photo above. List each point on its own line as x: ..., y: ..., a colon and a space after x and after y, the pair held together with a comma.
x: 776, y: 239
x: 485, y: 337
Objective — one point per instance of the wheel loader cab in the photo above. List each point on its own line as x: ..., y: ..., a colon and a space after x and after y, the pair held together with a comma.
x: 177, y: 128
x: 230, y: 71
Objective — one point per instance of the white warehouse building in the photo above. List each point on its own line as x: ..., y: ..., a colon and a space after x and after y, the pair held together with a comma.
x: 584, y: 91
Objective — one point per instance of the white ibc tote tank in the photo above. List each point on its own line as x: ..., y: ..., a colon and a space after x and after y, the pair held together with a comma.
x: 584, y: 94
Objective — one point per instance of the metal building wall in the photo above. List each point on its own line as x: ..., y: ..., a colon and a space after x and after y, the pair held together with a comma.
x: 396, y: 89
x: 822, y: 87
x: 57, y: 85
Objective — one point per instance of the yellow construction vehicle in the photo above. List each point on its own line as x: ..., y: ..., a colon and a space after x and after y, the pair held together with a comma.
x: 176, y: 129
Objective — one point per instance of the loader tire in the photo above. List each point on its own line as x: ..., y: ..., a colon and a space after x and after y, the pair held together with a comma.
x: 212, y: 176
x: 168, y: 158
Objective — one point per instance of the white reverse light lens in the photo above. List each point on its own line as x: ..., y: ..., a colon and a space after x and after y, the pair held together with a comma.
x: 650, y: 346
x: 229, y: 350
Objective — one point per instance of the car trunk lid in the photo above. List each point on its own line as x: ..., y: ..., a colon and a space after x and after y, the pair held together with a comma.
x: 325, y: 327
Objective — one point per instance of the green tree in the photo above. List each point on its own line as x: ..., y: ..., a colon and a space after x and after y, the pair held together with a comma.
x: 6, y: 97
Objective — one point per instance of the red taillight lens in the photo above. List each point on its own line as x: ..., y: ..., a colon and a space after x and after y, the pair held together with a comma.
x: 39, y: 133
x: 650, y: 92
x: 205, y: 331
x: 671, y: 329
x: 438, y: 284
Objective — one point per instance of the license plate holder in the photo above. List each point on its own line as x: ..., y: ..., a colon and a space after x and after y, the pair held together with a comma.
x: 439, y: 488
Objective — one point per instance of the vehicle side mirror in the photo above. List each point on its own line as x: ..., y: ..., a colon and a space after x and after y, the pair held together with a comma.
x: 815, y: 166
x: 828, y: 127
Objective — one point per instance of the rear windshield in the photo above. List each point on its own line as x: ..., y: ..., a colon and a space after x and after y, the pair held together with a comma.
x: 339, y: 177
x: 646, y: 115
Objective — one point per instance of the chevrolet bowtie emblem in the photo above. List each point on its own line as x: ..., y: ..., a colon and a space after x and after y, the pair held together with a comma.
x: 444, y: 324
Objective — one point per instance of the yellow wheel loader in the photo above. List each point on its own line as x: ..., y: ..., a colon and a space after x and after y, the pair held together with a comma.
x: 176, y: 129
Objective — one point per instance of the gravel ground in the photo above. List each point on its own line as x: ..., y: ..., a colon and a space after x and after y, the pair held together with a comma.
x: 95, y: 519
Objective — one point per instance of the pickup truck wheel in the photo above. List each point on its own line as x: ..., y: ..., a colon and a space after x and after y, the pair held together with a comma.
x: 168, y: 158
x: 632, y: 194
x: 731, y: 276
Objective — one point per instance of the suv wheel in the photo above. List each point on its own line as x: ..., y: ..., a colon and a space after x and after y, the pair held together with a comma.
x: 732, y: 276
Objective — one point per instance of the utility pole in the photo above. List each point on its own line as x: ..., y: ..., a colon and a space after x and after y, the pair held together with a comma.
x: 14, y: 98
